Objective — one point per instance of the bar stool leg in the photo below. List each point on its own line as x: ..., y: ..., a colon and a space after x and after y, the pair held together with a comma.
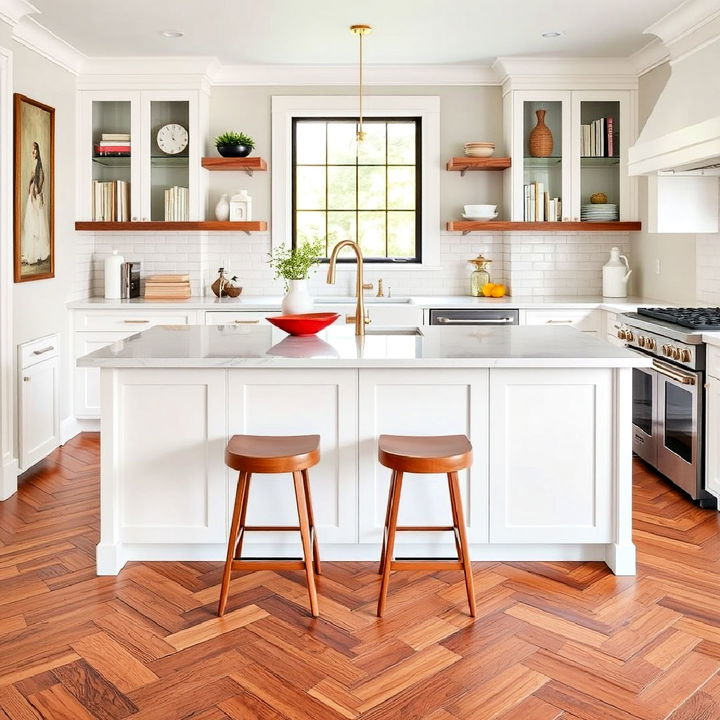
x: 391, y: 490
x: 305, y: 537
x: 234, y: 525
x: 456, y: 522
x: 467, y: 569
x: 313, y: 530
x: 389, y: 552
x: 243, y: 516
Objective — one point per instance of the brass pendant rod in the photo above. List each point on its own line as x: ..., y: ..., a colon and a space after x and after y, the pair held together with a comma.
x: 360, y: 30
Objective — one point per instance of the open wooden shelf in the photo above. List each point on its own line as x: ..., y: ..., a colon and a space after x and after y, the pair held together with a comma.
x: 466, y: 226
x: 464, y: 164
x: 228, y: 226
x: 248, y: 164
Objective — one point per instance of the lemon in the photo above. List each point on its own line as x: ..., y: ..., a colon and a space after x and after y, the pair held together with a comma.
x: 498, y: 291
x: 487, y: 289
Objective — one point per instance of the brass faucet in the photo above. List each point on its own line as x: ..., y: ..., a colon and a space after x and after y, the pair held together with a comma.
x: 360, y: 318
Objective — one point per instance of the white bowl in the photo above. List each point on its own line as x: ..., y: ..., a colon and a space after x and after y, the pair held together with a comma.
x: 479, y: 144
x: 479, y: 210
x: 479, y: 152
x: 480, y: 218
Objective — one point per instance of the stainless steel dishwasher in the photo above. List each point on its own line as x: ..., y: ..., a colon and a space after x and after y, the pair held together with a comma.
x: 474, y: 316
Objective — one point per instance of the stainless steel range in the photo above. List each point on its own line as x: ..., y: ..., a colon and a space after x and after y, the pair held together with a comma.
x: 668, y: 398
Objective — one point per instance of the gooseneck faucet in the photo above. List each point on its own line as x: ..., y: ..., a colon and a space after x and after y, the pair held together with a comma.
x: 360, y: 318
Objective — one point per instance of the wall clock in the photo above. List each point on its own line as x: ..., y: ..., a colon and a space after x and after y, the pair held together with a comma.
x: 172, y: 138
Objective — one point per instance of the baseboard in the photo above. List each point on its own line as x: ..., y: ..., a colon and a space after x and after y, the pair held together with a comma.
x: 8, y: 479
x: 72, y: 426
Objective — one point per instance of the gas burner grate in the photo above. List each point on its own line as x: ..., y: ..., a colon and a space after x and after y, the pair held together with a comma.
x: 694, y: 318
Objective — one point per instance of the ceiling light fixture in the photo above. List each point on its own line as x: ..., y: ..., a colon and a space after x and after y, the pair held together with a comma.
x: 552, y: 34
x: 360, y: 31
x: 171, y: 33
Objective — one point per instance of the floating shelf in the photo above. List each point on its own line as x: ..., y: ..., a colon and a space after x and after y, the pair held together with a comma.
x: 246, y: 227
x: 248, y: 164
x: 466, y: 226
x: 463, y: 164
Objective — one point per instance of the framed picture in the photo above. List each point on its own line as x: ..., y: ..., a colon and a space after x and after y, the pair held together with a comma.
x: 34, y: 209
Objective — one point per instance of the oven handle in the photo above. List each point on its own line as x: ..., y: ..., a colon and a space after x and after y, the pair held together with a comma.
x: 464, y: 321
x: 673, y: 373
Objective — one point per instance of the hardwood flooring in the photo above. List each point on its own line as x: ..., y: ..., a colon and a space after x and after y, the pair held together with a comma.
x: 551, y: 640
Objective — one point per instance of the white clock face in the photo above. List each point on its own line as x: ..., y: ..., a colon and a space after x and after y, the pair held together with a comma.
x: 172, y: 138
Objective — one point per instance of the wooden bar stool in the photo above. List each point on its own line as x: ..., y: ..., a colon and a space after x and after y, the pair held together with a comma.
x: 270, y: 454
x: 424, y: 454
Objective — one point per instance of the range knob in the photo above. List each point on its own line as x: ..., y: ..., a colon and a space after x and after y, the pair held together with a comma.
x: 629, y: 336
x: 676, y: 353
x: 621, y: 334
x: 642, y: 341
x: 685, y: 356
x: 667, y: 350
x: 650, y: 343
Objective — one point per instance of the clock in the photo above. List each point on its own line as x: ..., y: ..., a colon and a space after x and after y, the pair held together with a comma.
x: 172, y: 138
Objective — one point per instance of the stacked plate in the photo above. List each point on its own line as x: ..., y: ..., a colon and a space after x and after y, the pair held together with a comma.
x: 599, y: 212
x: 479, y: 149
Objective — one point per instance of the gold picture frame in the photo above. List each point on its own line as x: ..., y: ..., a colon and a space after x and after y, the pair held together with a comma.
x: 34, y: 192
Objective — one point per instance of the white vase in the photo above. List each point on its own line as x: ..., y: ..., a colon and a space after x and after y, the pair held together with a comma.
x: 297, y: 300
x: 222, y: 209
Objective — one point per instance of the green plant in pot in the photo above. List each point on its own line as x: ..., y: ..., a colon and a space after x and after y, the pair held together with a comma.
x: 294, y: 265
x: 234, y: 144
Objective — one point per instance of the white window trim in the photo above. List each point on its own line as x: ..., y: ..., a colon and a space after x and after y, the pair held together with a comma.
x: 426, y: 107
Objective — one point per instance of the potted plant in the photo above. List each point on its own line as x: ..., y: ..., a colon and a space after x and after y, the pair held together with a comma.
x: 234, y: 144
x: 294, y: 266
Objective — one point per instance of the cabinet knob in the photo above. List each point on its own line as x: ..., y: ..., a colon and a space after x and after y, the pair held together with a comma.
x: 26, y: 378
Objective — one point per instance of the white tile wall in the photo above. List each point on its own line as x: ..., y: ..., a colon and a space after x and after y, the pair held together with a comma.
x: 531, y: 264
x: 707, y: 271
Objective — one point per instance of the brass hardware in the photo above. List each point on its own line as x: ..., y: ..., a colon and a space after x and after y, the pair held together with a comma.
x: 650, y: 343
x: 621, y: 334
x: 360, y: 31
x: 136, y: 322
x: 380, y: 288
x: 26, y: 378
x: 667, y: 350
x: 360, y: 318
x: 629, y: 335
x: 44, y: 350
x: 685, y: 355
x: 367, y: 286
x: 350, y: 319
x: 673, y: 373
x: 676, y: 353
x: 641, y: 341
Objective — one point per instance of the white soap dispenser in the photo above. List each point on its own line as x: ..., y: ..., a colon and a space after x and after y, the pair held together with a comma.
x: 113, y: 275
x: 615, y: 275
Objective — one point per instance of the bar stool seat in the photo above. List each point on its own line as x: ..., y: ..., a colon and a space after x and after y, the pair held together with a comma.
x: 424, y: 454
x: 294, y: 454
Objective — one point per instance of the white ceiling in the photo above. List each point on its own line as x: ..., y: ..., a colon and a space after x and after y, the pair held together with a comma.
x: 316, y: 31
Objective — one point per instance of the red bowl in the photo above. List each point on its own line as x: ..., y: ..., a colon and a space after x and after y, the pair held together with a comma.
x: 307, y: 324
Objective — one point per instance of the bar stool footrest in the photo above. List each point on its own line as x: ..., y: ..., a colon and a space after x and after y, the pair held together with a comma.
x: 270, y: 528
x: 425, y: 564
x: 425, y: 528
x: 267, y: 564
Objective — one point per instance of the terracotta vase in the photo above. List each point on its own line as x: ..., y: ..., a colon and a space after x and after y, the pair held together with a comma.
x: 541, y: 139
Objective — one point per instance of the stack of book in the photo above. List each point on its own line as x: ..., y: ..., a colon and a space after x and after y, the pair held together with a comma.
x: 111, y: 201
x: 177, y: 201
x: 539, y: 206
x: 599, y: 139
x: 167, y: 287
x: 113, y: 145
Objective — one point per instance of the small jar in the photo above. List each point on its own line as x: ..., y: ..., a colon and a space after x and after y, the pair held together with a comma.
x: 480, y: 275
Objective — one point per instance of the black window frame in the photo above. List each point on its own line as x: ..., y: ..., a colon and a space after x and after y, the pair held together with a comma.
x: 417, y: 259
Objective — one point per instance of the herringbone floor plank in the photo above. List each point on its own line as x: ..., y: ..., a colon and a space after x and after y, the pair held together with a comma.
x: 552, y: 641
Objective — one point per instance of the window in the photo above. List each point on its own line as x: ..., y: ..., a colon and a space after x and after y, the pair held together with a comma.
x: 369, y: 192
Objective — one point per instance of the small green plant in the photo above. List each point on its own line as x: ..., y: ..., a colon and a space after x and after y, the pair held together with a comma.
x: 295, y: 263
x: 234, y: 138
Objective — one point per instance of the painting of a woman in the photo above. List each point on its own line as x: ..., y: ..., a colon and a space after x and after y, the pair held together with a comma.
x: 34, y: 135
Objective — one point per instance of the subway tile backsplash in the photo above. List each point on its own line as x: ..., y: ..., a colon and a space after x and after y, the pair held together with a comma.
x: 530, y: 263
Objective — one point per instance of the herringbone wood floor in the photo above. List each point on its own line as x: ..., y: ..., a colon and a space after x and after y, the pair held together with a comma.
x: 566, y: 640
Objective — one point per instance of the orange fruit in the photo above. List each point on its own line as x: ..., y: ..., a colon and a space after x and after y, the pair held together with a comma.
x: 487, y: 289
x: 498, y: 291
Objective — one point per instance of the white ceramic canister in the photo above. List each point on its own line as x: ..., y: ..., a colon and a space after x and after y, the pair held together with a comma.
x: 615, y: 275
x: 297, y: 300
x: 113, y: 275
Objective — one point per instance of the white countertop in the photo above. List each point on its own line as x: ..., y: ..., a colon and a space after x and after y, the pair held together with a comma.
x: 270, y: 302
x: 226, y: 346
x: 712, y: 338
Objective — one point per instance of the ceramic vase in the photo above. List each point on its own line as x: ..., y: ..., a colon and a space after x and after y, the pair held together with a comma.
x: 222, y: 209
x: 297, y: 299
x: 541, y: 139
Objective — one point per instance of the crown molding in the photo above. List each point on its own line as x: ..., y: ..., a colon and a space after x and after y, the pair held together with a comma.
x: 688, y: 28
x: 347, y: 75
x: 36, y: 37
x: 12, y: 11
x: 649, y: 57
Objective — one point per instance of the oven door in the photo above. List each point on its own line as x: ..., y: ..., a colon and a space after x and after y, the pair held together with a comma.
x: 679, y: 442
x: 644, y: 414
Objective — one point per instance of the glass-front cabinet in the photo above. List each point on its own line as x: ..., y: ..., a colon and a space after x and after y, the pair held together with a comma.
x: 569, y: 155
x: 140, y: 156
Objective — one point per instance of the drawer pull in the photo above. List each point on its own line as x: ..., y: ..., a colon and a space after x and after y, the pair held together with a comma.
x: 44, y: 350
x: 246, y: 322
x: 136, y: 322
x: 558, y: 322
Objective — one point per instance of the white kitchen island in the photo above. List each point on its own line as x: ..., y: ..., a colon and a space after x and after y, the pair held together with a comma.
x: 547, y: 411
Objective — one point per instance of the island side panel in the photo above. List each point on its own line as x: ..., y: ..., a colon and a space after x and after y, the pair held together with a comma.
x: 551, y: 470
x: 423, y: 402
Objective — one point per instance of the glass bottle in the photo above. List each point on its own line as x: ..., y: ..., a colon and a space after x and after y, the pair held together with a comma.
x: 480, y: 275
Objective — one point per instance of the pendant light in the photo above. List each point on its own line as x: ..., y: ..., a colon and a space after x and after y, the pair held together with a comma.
x: 360, y: 31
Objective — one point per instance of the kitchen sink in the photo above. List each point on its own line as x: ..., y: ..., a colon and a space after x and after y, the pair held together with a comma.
x: 349, y: 300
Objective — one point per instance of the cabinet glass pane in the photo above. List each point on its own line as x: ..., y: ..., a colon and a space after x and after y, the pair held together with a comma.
x: 599, y: 161
x: 542, y: 161
x: 111, y: 155
x: 169, y: 172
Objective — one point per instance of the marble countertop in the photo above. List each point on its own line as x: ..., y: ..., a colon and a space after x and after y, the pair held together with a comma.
x: 270, y: 302
x: 227, y: 346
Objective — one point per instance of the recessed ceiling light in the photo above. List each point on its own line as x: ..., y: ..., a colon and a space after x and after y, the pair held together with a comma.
x: 552, y: 34
x: 171, y: 33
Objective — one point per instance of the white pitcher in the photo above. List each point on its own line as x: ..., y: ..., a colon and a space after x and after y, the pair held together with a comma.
x: 615, y: 274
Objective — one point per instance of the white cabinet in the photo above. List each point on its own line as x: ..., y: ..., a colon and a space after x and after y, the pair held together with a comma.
x: 238, y: 317
x: 555, y: 484
x: 584, y: 319
x: 423, y: 402
x: 38, y: 400
x: 712, y: 417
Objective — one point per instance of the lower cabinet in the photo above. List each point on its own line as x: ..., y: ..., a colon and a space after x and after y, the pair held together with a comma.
x: 551, y: 460
x: 712, y: 450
